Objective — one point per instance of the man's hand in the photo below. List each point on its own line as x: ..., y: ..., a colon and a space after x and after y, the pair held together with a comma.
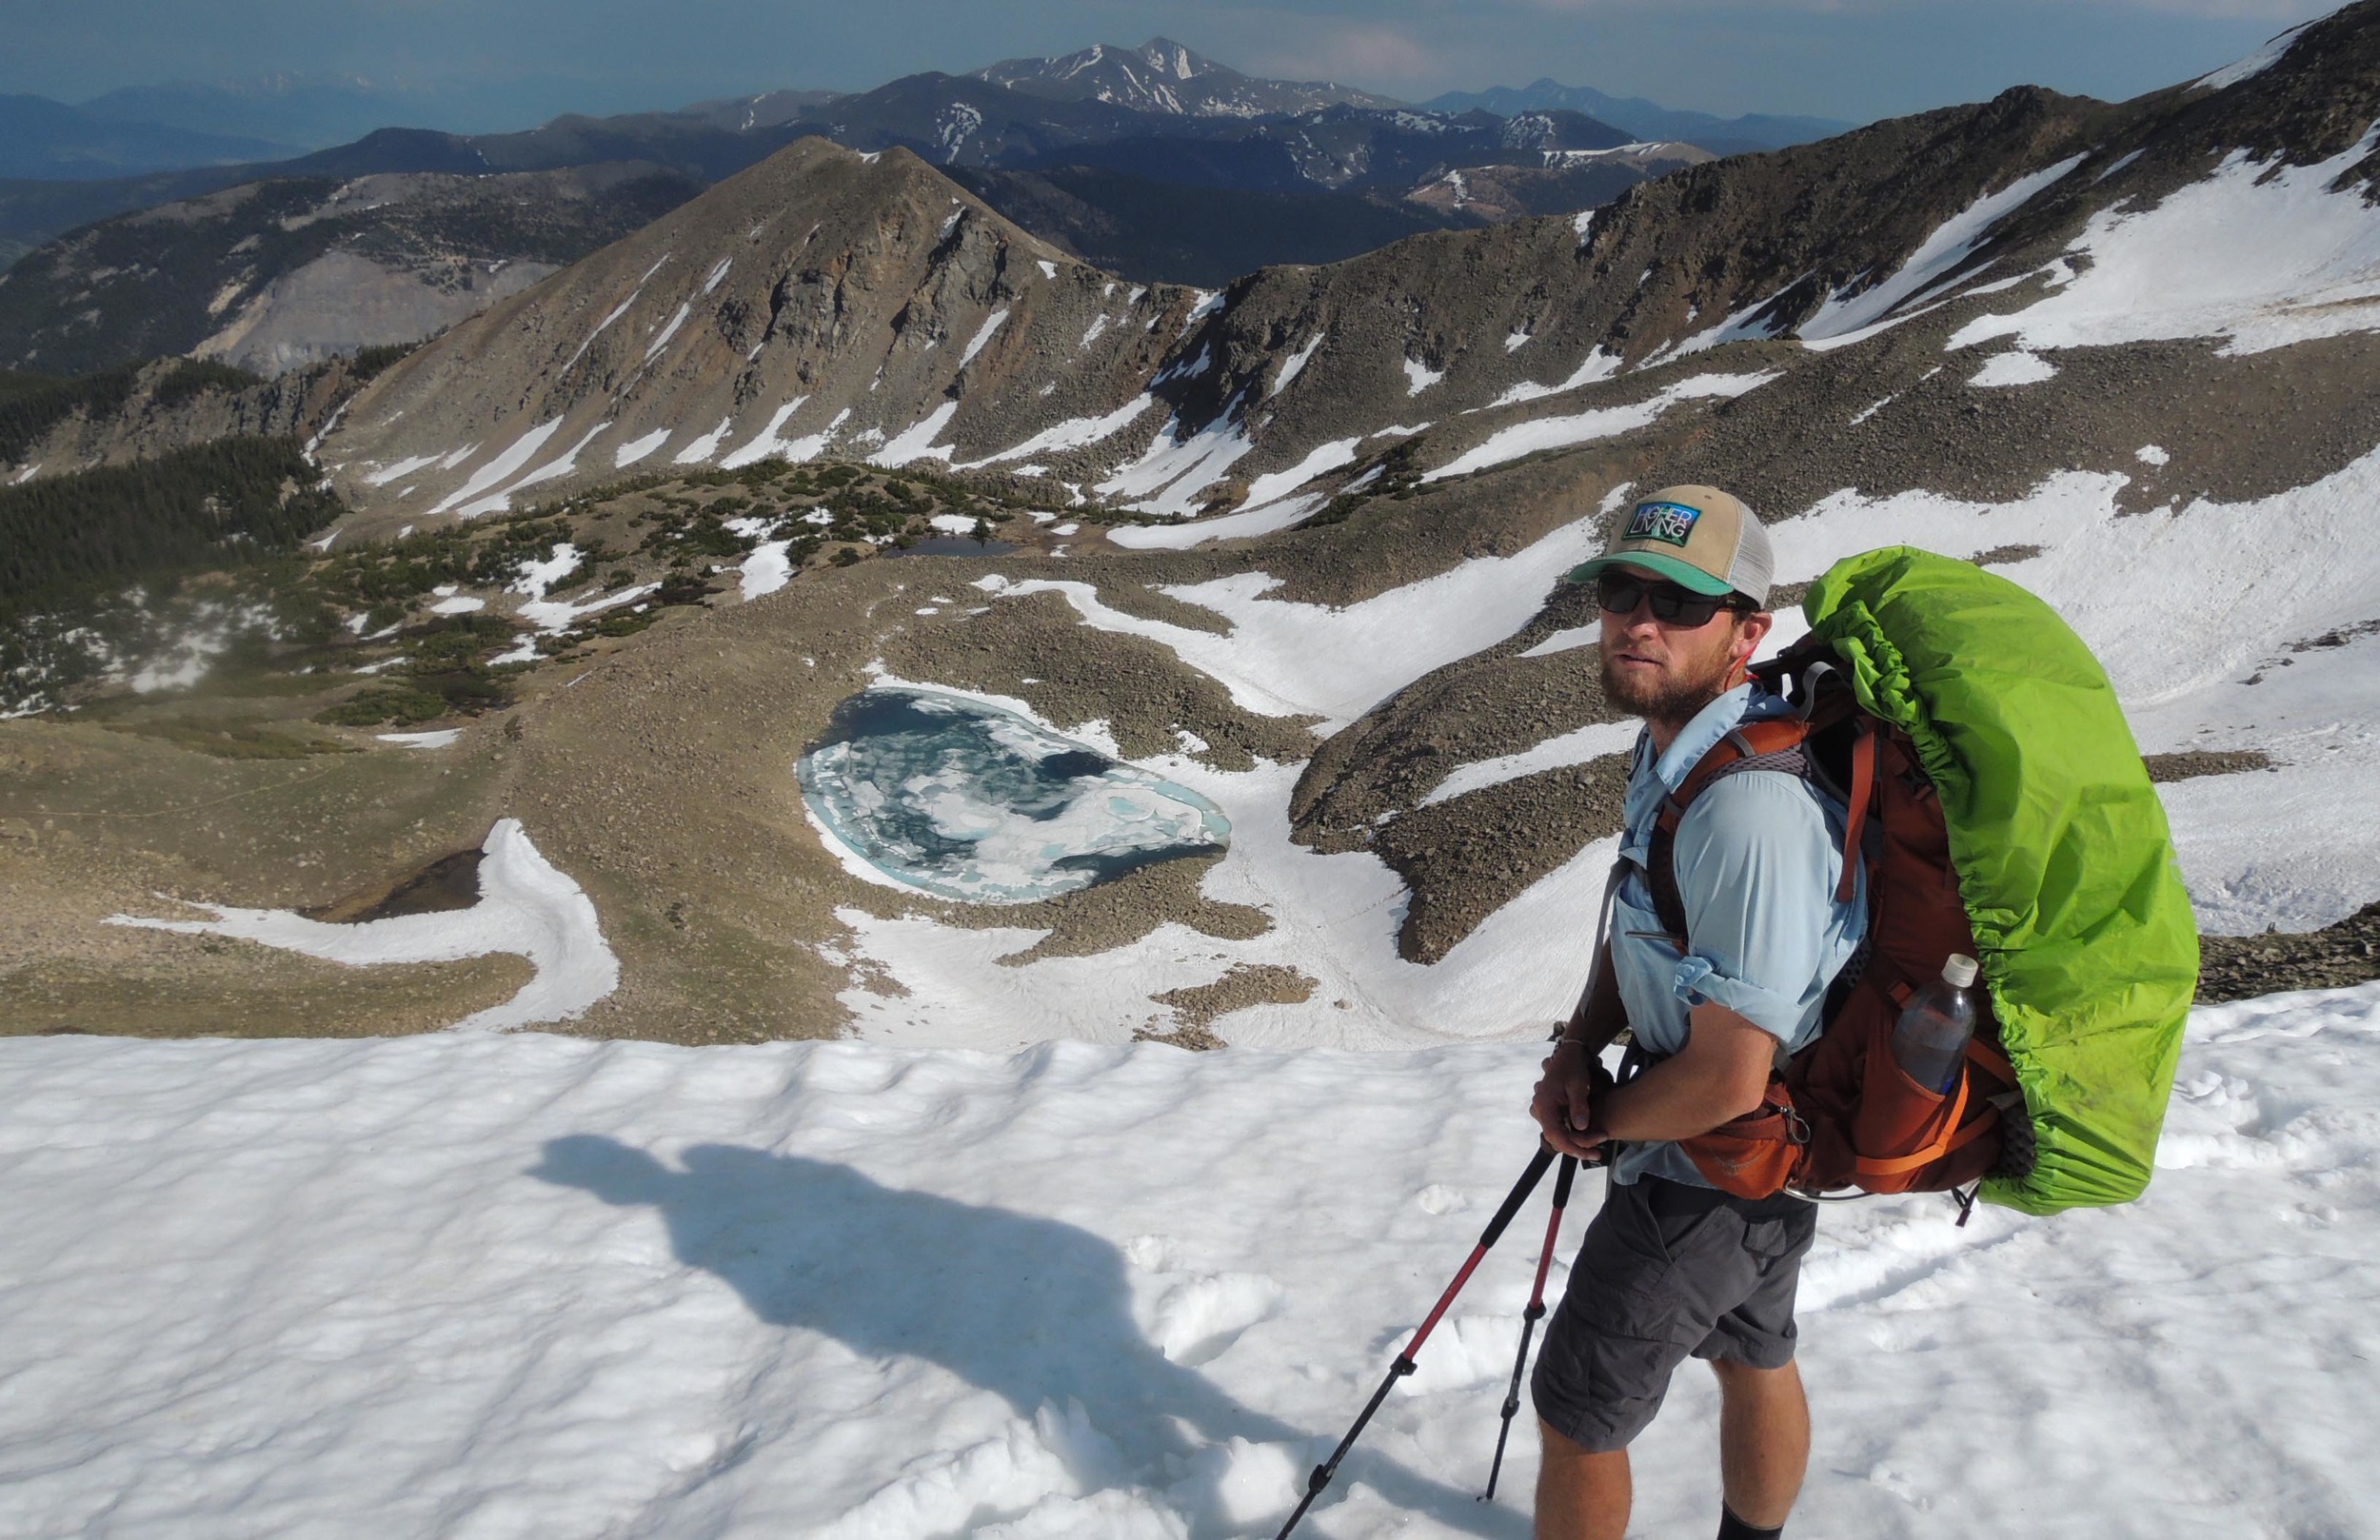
x: 1563, y: 1103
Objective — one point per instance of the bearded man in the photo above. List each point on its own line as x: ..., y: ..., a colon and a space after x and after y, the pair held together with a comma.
x: 1671, y: 1266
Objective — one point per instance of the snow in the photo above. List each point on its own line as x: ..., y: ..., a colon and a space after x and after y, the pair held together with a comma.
x: 557, y: 615
x: 1072, y: 434
x: 1745, y: 326
x: 1935, y: 258
x: 501, y: 468
x: 1566, y: 640
x: 767, y: 443
x: 2150, y: 454
x: 443, y: 738
x: 1207, y: 302
x: 1515, y: 340
x: 653, y: 349
x: 1598, y: 366
x: 458, y: 605
x: 526, y: 907
x: 1294, y: 364
x: 384, y: 476
x: 1596, y: 423
x: 703, y: 447
x: 1168, y: 477
x: 2260, y: 253
x: 1420, y: 376
x: 768, y: 568
x: 537, y: 577
x: 953, y: 524
x: 1049, y: 269
x: 2015, y: 369
x: 913, y: 444
x: 983, y: 335
x: 718, y: 274
x: 552, y: 470
x: 1577, y: 747
x: 605, y: 325
x: 488, y: 1285
x: 1262, y: 520
x: 1282, y: 659
x: 1324, y: 458
x: 2253, y: 64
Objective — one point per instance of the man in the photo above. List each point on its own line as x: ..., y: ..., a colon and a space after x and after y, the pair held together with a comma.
x: 1672, y: 1266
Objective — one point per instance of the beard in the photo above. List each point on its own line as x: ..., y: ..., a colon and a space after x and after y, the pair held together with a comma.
x: 1673, y: 699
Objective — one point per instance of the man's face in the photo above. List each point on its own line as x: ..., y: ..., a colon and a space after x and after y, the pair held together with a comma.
x: 1665, y: 673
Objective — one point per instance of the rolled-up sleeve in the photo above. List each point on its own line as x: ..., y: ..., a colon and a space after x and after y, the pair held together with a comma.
x: 1757, y: 866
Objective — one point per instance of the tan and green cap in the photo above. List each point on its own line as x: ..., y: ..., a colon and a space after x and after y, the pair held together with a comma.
x: 1697, y: 537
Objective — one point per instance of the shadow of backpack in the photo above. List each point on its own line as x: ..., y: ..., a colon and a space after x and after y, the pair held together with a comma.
x: 1999, y: 808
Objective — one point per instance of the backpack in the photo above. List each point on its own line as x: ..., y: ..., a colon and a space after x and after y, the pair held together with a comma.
x: 1999, y: 807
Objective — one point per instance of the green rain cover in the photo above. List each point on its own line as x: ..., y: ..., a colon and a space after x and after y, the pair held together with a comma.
x: 2083, y: 928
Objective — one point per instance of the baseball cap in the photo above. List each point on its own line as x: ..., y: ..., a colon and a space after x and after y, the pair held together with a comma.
x: 1698, y: 536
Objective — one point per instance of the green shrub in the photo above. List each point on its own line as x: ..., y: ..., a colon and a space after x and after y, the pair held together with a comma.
x: 383, y: 703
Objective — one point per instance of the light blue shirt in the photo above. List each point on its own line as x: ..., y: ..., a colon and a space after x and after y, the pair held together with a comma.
x: 1757, y: 857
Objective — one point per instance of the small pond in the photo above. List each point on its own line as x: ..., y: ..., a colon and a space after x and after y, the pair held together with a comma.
x: 965, y: 801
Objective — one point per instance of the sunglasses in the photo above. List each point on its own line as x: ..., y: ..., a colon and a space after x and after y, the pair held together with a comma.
x: 1620, y: 593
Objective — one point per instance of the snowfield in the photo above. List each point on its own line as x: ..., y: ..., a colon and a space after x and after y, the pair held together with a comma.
x: 531, y: 1286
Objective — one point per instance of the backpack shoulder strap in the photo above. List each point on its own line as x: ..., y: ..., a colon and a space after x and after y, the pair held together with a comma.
x: 1777, y: 744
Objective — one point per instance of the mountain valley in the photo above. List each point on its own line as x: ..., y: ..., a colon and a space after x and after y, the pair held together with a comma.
x: 1294, y: 543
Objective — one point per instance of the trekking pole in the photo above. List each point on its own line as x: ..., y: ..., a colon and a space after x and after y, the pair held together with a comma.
x: 1529, y: 1318
x: 1404, y: 1365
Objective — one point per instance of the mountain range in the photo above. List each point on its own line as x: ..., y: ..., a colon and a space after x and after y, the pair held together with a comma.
x: 1646, y: 120
x: 1154, y: 161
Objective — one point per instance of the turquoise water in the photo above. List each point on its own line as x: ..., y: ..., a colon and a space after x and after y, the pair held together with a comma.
x: 965, y: 801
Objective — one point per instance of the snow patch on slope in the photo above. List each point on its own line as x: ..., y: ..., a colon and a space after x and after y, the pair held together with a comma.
x: 1599, y: 422
x: 526, y: 907
x: 1846, y: 312
x: 2260, y: 253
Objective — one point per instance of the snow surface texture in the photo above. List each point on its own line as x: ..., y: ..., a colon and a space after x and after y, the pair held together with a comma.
x: 2260, y: 253
x: 526, y: 907
x: 542, y: 1286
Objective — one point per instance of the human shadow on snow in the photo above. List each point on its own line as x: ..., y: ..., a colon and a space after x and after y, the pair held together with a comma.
x: 1036, y: 1312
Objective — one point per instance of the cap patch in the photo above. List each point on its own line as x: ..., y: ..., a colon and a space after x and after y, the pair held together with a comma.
x: 1673, y: 524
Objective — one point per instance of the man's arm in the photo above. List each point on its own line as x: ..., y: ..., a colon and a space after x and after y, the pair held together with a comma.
x: 1721, y: 1075
x: 1755, y: 863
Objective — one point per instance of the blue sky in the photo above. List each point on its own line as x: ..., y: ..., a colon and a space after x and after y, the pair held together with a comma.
x: 494, y: 64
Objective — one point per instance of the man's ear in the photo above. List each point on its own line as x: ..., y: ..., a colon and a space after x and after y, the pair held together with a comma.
x: 1749, y: 634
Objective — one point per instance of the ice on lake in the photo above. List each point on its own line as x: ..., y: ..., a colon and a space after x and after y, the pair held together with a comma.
x: 964, y: 801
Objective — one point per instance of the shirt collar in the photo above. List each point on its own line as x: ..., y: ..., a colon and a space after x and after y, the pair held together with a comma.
x: 1710, y: 725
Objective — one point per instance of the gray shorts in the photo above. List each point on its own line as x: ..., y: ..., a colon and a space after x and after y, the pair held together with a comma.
x: 1667, y: 1271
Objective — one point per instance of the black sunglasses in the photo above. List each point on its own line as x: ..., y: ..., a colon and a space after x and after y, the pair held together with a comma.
x: 1672, y: 604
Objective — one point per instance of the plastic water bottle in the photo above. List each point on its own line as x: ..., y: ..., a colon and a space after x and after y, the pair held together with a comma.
x: 1930, y: 1037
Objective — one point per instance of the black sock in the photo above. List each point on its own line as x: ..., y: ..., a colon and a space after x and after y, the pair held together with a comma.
x: 1732, y: 1528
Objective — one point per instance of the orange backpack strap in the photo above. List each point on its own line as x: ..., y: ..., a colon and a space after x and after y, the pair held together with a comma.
x: 1862, y: 792
x: 1771, y: 745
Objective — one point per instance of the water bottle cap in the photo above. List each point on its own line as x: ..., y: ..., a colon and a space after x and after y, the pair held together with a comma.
x: 1959, y: 971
